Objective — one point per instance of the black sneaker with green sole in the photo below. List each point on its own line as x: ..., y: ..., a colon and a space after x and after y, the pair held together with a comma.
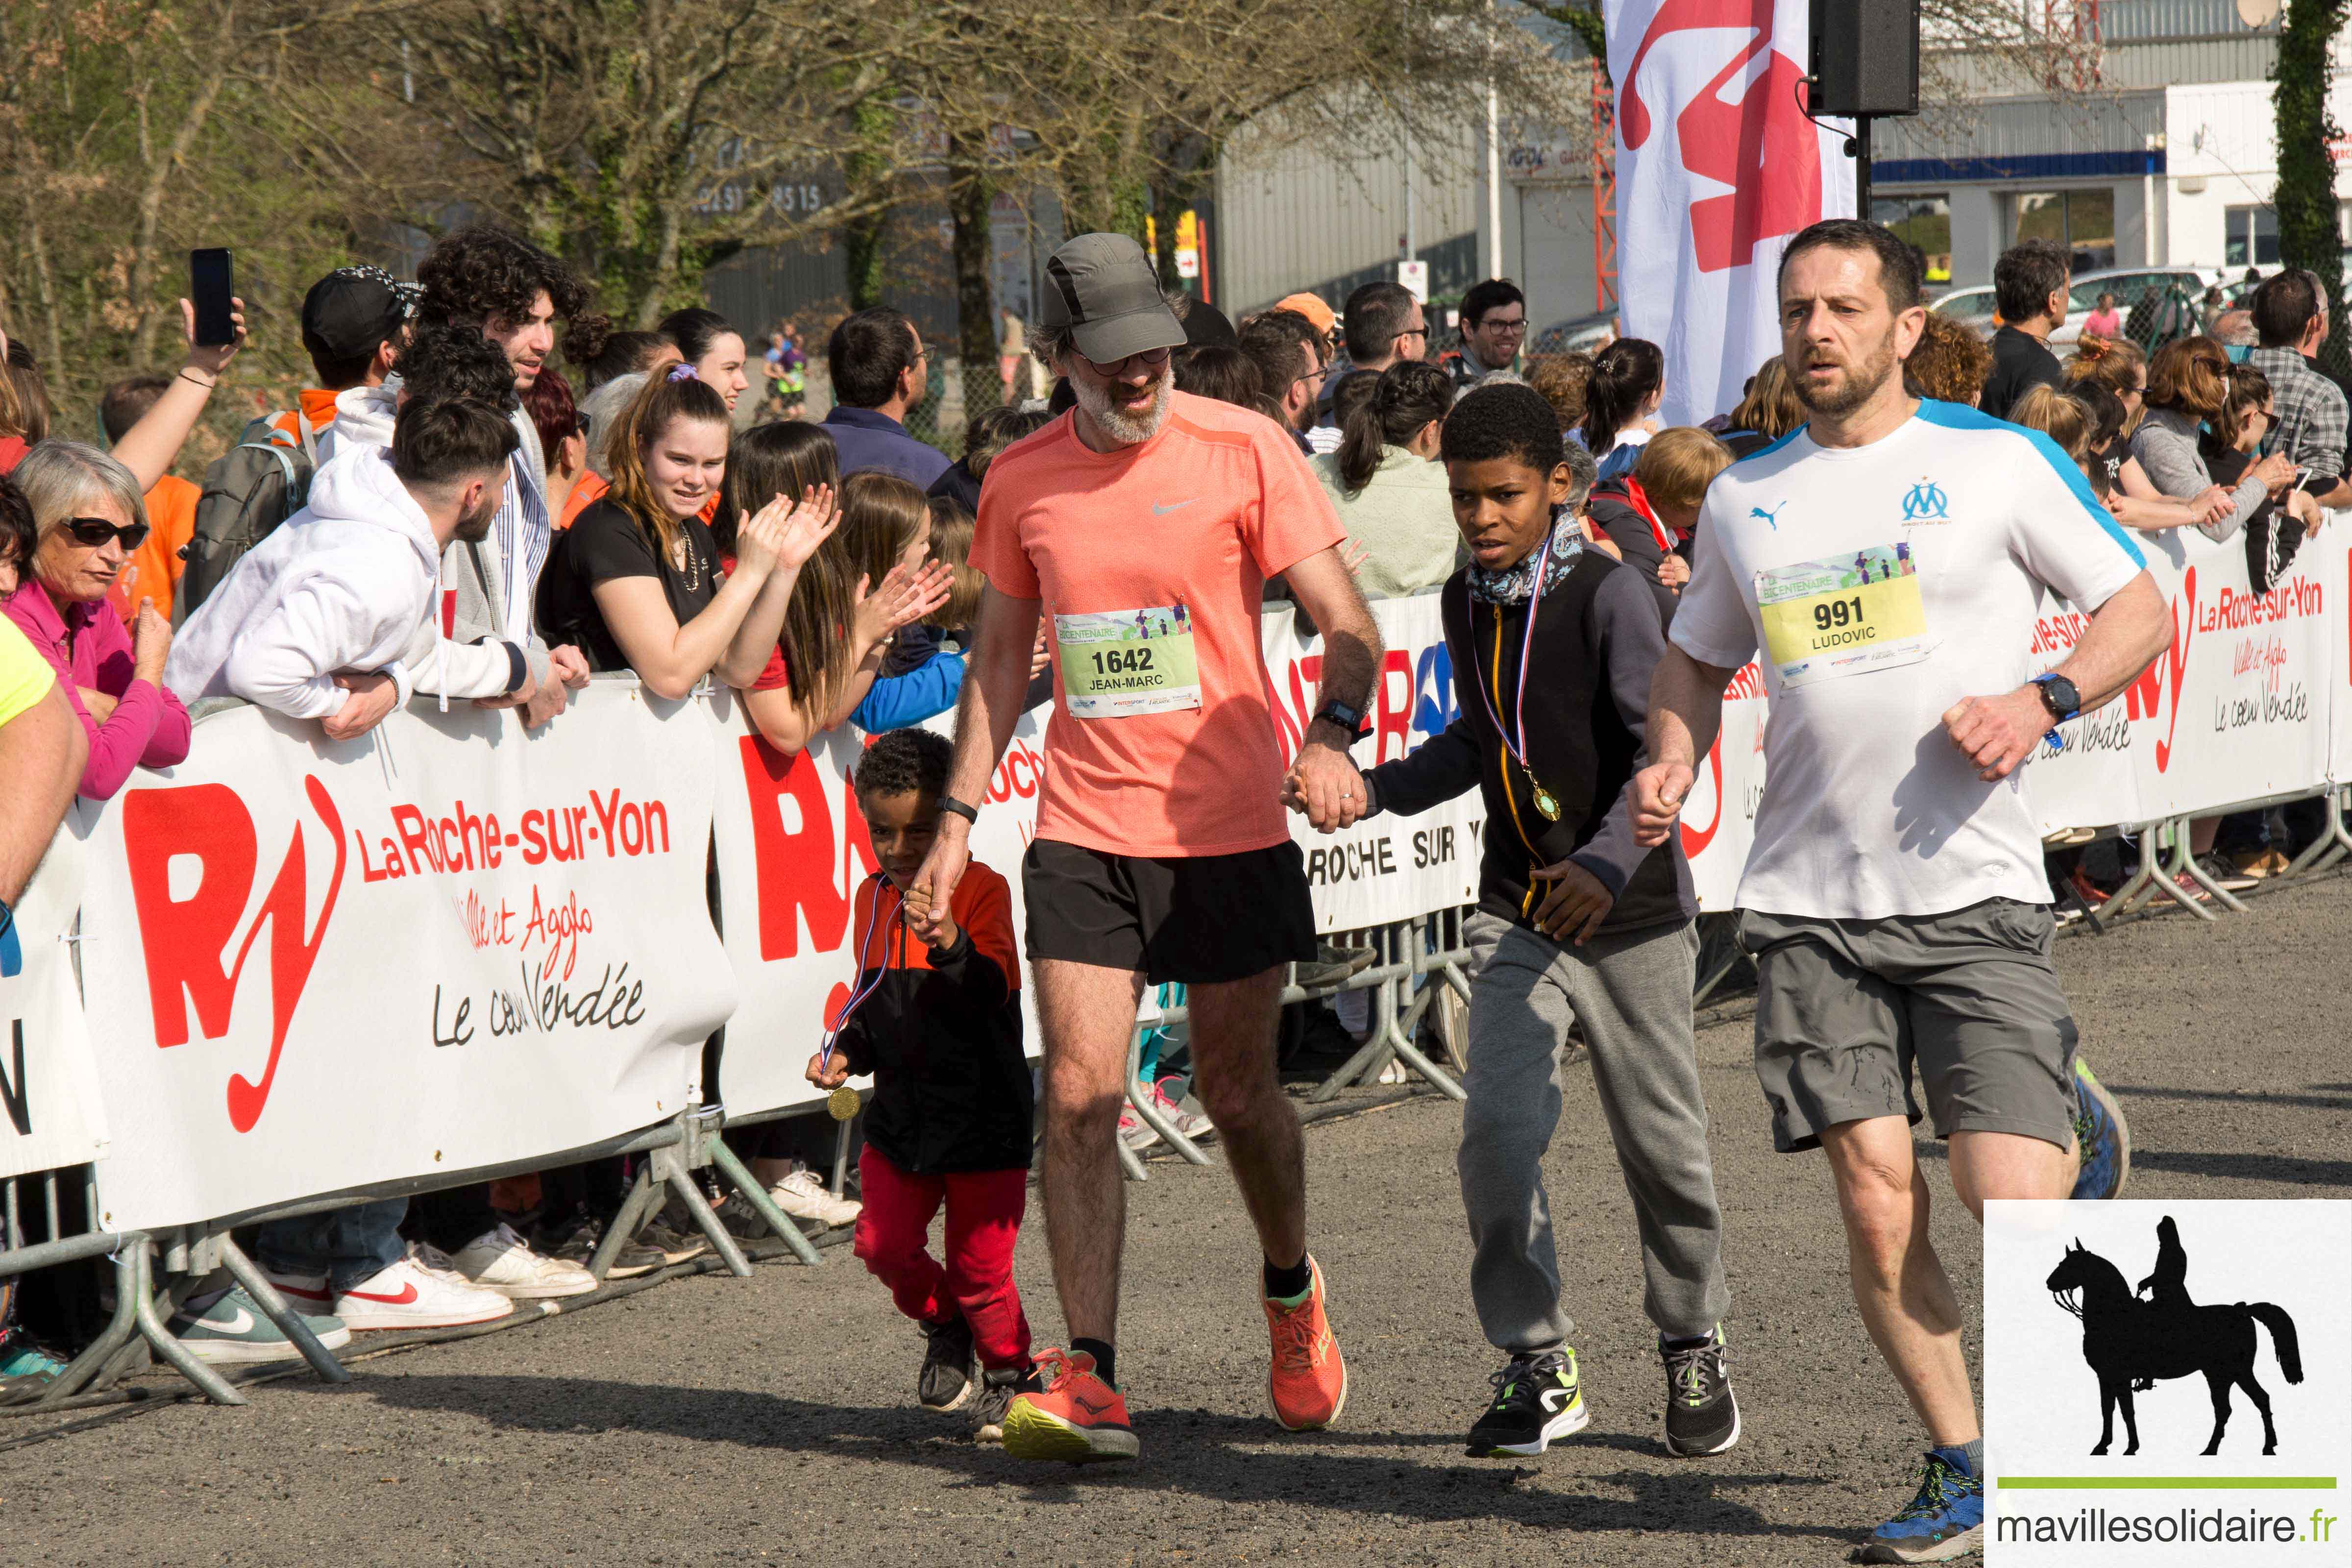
x: 1702, y: 1413
x: 1537, y: 1398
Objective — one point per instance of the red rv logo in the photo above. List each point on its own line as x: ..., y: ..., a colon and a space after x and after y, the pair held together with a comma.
x: 184, y: 938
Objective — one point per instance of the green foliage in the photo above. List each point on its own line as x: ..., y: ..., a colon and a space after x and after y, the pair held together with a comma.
x: 2305, y: 193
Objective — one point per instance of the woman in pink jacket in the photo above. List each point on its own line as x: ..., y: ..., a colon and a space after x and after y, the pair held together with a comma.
x: 87, y: 518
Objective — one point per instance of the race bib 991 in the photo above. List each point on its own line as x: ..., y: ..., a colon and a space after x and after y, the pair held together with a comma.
x: 1843, y: 614
x: 1119, y: 663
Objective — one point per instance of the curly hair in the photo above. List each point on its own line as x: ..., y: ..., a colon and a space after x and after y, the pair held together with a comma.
x: 1949, y: 362
x: 1506, y: 420
x: 483, y: 270
x: 453, y: 359
x: 901, y: 762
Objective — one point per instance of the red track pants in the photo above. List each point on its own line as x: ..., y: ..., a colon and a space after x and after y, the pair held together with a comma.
x: 984, y: 1209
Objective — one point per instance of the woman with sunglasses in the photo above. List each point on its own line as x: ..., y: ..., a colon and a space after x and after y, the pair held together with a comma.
x: 88, y: 517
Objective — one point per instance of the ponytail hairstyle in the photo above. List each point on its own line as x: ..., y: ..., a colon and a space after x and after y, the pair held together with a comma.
x: 2118, y: 364
x: 2191, y: 377
x: 659, y: 404
x: 2063, y: 418
x: 696, y: 332
x: 1624, y: 375
x: 787, y: 458
x: 1409, y: 395
x: 602, y: 355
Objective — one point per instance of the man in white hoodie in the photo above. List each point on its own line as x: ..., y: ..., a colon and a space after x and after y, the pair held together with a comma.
x: 314, y: 623
x: 467, y: 651
x: 317, y: 620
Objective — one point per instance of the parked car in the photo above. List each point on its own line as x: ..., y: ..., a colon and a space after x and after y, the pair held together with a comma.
x: 2158, y: 302
x: 1578, y: 335
x: 1972, y: 305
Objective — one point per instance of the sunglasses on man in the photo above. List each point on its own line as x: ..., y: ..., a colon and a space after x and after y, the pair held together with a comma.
x: 94, y: 531
x: 1149, y: 359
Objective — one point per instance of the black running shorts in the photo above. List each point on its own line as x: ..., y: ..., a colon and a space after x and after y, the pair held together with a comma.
x: 1193, y: 920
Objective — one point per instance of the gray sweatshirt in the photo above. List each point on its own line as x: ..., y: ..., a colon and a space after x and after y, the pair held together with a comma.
x: 2166, y: 446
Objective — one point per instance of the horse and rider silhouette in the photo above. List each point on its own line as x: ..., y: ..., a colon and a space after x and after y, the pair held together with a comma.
x: 2131, y: 1343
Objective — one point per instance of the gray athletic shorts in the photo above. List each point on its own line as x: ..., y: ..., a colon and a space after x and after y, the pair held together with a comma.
x: 1846, y: 1008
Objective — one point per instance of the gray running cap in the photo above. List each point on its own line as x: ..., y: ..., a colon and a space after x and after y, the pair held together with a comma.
x: 1102, y: 286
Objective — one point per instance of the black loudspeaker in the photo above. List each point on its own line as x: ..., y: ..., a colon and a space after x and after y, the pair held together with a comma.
x: 1864, y: 56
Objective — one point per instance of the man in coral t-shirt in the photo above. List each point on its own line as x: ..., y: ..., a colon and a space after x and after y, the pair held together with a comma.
x: 1145, y: 523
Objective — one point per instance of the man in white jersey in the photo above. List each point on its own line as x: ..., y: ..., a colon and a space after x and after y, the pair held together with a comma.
x: 1887, y: 559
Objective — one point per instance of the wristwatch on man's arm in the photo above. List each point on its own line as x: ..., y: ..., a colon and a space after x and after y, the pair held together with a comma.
x: 2060, y: 696
x: 1350, y: 720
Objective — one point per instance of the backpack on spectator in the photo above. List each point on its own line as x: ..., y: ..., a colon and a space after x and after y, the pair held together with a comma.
x: 262, y: 480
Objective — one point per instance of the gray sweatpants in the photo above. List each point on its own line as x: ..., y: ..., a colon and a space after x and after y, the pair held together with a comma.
x: 1633, y: 995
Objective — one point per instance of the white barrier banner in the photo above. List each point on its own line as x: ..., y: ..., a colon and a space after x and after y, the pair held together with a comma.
x: 1392, y: 868
x: 1718, y: 821
x: 2236, y: 707
x: 793, y: 848
x: 447, y: 944
x: 49, y: 1114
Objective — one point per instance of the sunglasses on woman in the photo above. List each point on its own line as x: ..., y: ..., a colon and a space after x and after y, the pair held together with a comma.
x: 94, y: 531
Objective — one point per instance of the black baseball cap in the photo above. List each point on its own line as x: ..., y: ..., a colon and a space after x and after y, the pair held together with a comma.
x: 1206, y: 326
x: 352, y: 309
x: 1102, y: 286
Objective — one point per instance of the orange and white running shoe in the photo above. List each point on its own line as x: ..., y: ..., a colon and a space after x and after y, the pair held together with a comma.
x: 1078, y: 1419
x: 1308, y: 1385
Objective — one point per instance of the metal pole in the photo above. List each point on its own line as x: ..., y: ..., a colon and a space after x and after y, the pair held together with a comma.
x: 158, y: 1337
x: 1139, y: 1095
x: 787, y: 1229
x: 1860, y: 146
x: 273, y: 1307
x: 1493, y: 167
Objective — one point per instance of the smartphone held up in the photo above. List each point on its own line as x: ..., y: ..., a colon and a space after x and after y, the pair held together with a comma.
x: 211, y: 285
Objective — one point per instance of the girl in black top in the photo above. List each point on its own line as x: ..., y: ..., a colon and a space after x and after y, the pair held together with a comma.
x: 636, y: 581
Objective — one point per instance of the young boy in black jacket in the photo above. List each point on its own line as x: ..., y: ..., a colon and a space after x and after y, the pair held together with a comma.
x: 1553, y: 645
x: 940, y: 1028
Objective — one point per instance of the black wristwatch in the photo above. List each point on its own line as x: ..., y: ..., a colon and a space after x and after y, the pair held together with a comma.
x: 969, y: 813
x: 1351, y: 720
x: 2059, y: 695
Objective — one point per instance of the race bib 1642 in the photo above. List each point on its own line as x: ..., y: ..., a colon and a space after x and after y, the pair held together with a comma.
x: 1119, y: 663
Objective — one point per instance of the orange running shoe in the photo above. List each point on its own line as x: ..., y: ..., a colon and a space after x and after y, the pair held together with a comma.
x: 1308, y: 1385
x: 1078, y: 1417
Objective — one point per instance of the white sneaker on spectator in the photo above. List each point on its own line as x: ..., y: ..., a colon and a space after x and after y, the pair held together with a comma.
x: 1135, y: 1131
x: 409, y: 1295
x: 304, y: 1292
x: 1189, y: 1123
x: 505, y: 1263
x: 802, y: 1197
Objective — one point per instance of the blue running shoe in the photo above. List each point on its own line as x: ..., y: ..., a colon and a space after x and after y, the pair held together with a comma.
x: 25, y: 1368
x: 1945, y: 1519
x: 2103, y: 1135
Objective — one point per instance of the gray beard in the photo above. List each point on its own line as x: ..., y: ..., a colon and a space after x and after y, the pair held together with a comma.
x: 1121, y: 427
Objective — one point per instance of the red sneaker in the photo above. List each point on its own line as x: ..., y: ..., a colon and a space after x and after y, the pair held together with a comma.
x: 1078, y: 1419
x: 1308, y: 1385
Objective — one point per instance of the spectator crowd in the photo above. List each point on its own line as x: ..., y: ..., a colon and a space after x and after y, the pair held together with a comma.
x: 448, y: 515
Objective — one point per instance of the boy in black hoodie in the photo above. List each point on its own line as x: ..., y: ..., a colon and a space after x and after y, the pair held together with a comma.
x: 1575, y: 922
x: 938, y: 1026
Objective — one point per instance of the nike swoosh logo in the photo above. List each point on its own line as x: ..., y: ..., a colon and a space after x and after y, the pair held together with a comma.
x: 407, y: 1294
x: 241, y: 1323
x: 1159, y: 510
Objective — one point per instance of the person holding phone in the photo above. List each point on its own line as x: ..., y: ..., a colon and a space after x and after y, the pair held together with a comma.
x: 88, y: 520
x: 149, y: 447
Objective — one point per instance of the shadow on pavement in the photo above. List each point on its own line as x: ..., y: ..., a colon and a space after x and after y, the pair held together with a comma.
x: 1229, y: 1459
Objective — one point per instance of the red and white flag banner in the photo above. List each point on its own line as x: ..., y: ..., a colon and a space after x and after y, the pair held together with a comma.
x: 1716, y: 167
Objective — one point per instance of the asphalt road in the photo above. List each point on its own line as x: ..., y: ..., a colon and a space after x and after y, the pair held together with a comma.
x: 716, y: 1419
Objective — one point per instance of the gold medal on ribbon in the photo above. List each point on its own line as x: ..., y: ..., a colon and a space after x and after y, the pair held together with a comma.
x: 1544, y: 801
x: 842, y: 1103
